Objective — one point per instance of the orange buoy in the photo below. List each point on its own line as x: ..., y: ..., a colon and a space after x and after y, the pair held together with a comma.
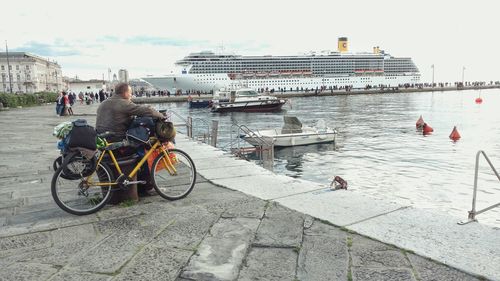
x: 420, y: 123
x: 426, y: 129
x: 479, y: 100
x: 454, y: 134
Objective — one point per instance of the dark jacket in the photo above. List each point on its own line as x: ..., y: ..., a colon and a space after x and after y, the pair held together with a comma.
x: 115, y: 115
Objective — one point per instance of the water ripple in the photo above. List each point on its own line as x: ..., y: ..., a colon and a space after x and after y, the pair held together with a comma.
x: 379, y: 152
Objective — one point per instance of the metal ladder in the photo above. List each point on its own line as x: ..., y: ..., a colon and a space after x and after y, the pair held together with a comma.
x: 264, y: 148
x: 473, y: 213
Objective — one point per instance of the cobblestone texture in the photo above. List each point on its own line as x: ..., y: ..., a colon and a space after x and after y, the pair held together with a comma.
x: 214, y: 233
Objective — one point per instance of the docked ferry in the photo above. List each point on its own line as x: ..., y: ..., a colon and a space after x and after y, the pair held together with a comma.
x: 207, y: 71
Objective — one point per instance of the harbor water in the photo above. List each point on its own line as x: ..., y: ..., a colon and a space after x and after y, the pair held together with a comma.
x: 380, y: 152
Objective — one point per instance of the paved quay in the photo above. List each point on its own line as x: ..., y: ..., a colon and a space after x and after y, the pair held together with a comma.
x: 310, y: 93
x: 241, y: 222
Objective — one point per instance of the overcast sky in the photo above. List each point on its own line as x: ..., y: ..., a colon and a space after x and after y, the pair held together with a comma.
x: 88, y: 37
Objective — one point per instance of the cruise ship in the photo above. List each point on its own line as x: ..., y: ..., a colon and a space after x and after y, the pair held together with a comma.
x: 208, y: 71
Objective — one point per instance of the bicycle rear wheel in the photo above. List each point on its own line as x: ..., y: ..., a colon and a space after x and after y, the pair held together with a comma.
x: 57, y: 163
x: 176, y: 180
x: 80, y: 195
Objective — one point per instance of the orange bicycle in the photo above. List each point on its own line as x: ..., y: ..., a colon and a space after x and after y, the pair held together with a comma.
x: 82, y: 186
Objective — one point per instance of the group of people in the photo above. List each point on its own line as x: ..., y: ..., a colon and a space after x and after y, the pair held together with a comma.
x: 66, y: 100
x: 90, y: 98
x: 64, y: 103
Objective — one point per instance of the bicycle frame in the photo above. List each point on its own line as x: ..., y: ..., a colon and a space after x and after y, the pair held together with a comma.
x: 156, y: 145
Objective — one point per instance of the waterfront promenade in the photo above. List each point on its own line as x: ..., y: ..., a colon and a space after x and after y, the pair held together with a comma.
x: 241, y: 222
x: 311, y: 93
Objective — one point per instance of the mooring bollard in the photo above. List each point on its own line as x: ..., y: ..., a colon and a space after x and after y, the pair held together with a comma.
x: 213, y: 134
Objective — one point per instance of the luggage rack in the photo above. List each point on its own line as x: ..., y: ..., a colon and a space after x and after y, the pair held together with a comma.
x: 473, y: 212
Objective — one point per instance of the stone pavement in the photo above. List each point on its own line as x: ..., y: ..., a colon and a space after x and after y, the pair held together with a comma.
x: 214, y: 234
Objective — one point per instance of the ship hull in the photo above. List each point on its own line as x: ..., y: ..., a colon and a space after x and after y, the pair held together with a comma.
x: 192, y: 82
x: 249, y: 107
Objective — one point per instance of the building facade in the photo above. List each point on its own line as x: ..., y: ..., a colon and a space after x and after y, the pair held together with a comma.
x: 29, y: 73
x: 123, y: 75
x: 85, y: 86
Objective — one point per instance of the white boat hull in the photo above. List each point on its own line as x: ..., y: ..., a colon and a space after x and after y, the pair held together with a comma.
x: 286, y: 140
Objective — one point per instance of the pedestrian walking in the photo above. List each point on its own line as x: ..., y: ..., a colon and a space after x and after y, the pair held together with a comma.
x: 67, y: 106
x: 101, y: 96
x: 71, y: 99
x: 59, y: 104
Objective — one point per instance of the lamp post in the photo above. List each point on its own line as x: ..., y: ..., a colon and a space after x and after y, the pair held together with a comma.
x: 463, y: 75
x: 8, y: 66
x: 432, y: 66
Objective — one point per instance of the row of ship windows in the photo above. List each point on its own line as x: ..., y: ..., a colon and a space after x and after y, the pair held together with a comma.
x: 301, y: 61
x: 293, y: 81
x: 322, y: 72
x: 295, y: 63
x: 286, y: 60
x: 307, y: 68
x: 213, y: 79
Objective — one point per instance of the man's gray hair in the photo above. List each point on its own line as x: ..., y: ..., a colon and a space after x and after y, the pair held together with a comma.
x: 121, y: 88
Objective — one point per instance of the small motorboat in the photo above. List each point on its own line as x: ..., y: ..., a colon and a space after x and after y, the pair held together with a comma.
x: 199, y: 103
x: 294, y: 134
x: 245, y: 100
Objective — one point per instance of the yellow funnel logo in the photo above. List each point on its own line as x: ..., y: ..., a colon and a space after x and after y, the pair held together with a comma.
x: 342, y: 44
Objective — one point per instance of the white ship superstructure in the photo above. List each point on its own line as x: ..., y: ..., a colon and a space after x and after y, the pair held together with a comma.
x: 208, y: 71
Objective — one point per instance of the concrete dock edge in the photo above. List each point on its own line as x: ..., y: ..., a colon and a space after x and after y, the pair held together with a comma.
x: 472, y: 248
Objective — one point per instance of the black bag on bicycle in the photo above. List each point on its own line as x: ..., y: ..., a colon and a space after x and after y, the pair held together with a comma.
x: 140, y: 129
x: 164, y: 130
x: 82, y: 135
x: 77, y: 165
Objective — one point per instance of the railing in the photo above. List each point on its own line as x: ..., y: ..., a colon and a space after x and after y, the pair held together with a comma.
x: 263, y: 147
x: 473, y: 213
x: 208, y: 136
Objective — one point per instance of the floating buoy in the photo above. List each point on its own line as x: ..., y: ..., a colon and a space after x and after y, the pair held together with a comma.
x: 479, y: 100
x: 420, y: 123
x: 454, y: 134
x: 426, y: 129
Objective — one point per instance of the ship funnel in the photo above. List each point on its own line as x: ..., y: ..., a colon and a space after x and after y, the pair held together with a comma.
x: 342, y: 45
x: 376, y: 50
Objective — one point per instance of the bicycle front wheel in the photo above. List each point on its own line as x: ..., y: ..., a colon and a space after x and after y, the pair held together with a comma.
x: 173, y: 178
x: 82, y: 195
